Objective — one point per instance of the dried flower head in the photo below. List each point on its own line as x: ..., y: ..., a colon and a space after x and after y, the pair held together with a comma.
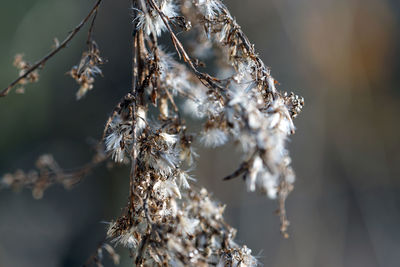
x: 84, y: 73
x: 23, y: 67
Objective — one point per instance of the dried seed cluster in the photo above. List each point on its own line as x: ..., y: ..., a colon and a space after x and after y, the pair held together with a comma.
x: 23, y: 66
x: 167, y: 220
x: 48, y: 173
x: 84, y: 73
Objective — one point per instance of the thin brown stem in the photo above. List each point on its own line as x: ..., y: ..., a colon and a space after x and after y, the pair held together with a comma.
x: 94, y: 257
x: 52, y: 174
x: 90, y: 32
x: 207, y: 80
x: 42, y: 62
x: 243, y: 168
x: 143, y: 245
x: 133, y: 113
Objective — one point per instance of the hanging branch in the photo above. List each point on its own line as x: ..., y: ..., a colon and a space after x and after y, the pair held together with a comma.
x: 167, y: 220
x: 49, y: 173
x: 42, y: 62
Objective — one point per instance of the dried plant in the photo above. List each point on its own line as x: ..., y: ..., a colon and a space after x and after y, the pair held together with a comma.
x: 168, y: 220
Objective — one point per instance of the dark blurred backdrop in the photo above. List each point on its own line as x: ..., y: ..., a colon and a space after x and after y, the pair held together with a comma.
x: 343, y: 56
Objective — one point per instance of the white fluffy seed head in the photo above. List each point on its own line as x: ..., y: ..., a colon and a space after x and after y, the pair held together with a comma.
x: 152, y: 22
x: 113, y: 144
x: 213, y: 137
x: 166, y: 189
x: 141, y: 120
x: 209, y: 8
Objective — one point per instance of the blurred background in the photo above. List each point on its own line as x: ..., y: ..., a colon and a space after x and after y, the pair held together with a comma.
x: 343, y: 56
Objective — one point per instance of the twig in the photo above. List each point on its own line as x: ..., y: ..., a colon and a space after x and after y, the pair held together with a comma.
x: 43, y: 61
x: 142, y: 248
x: 133, y: 112
x: 90, y: 32
x: 242, y: 168
x: 94, y: 257
x: 97, y: 257
x: 48, y: 174
x: 206, y: 79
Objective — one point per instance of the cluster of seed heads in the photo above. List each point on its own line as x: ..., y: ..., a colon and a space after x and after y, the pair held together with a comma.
x: 168, y: 220
x: 23, y: 66
x: 294, y: 103
x: 84, y: 73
